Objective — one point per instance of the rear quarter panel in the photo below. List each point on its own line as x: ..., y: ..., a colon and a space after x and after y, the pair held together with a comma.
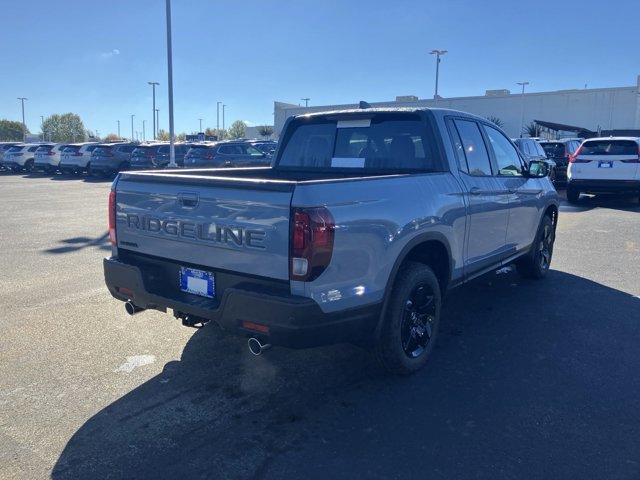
x: 375, y: 219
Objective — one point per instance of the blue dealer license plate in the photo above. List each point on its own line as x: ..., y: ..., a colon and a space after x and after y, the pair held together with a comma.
x: 197, y: 282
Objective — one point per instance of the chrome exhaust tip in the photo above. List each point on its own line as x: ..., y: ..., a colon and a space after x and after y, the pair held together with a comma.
x: 256, y: 348
x: 131, y: 308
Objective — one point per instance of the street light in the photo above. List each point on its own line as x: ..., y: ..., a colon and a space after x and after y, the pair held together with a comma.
x: 218, y: 117
x: 118, y: 129
x: 522, y: 106
x: 200, y: 120
x: 438, y: 54
x: 157, y: 121
x: 132, y: 135
x: 172, y: 149
x: 306, y: 101
x: 144, y: 135
x: 153, y: 112
x: 42, y: 127
x: 24, y: 125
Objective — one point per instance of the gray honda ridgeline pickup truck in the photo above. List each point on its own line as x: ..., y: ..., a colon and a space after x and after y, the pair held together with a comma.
x: 364, y: 220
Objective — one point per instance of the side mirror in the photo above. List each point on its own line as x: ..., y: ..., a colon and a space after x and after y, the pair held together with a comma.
x: 537, y: 169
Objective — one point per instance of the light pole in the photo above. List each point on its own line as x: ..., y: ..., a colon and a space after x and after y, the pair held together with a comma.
x: 132, y: 135
x: 42, y: 126
x: 118, y: 129
x: 24, y: 125
x: 172, y: 149
x: 438, y: 54
x: 144, y: 133
x: 200, y: 120
x: 523, y: 84
x: 157, y: 121
x: 153, y: 112
x: 223, y: 109
x: 218, y: 117
x: 306, y: 101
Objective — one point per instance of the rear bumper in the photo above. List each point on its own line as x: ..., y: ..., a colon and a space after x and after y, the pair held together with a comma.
x: 604, y: 186
x: 293, y: 321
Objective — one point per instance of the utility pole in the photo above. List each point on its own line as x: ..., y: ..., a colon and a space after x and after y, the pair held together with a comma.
x: 200, y: 120
x: 172, y: 147
x: 119, y: 137
x: 306, y: 101
x: 24, y: 125
x: 157, y: 121
x: 144, y: 133
x: 223, y: 108
x: 42, y: 126
x: 153, y: 112
x: 132, y: 133
x: 438, y: 54
x: 523, y: 84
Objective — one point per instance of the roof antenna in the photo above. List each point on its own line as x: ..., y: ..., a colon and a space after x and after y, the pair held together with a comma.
x: 363, y: 104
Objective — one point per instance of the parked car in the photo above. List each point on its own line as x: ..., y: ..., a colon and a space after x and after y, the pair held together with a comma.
x: 605, y: 165
x: 76, y: 158
x: 365, y: 220
x: 110, y: 158
x: 47, y: 157
x: 233, y: 153
x: 532, y: 150
x: 559, y: 151
x: 156, y: 155
x: 20, y: 158
x: 4, y: 146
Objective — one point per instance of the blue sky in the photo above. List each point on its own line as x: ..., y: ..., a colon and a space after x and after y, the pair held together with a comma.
x: 95, y: 59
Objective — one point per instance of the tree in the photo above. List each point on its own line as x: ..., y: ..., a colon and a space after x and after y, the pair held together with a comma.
x: 112, y: 137
x: 11, y: 131
x: 533, y: 130
x: 162, y: 135
x: 67, y: 127
x: 496, y: 121
x: 237, y: 129
x: 181, y: 137
x: 265, y: 131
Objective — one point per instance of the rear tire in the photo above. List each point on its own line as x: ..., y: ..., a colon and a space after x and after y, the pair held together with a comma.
x: 411, y: 320
x: 573, y: 195
x: 89, y: 172
x: 536, y: 263
x: 28, y: 166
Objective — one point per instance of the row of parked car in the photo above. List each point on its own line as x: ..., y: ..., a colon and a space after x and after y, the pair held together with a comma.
x: 105, y: 159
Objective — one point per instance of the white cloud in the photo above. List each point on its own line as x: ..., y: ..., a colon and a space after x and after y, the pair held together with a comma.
x: 110, y: 54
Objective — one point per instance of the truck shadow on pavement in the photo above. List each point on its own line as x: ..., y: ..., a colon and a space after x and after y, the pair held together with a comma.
x: 614, y: 202
x: 527, y: 381
x: 79, y: 243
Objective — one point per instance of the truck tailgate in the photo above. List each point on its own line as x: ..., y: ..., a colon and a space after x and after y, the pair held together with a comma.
x: 227, y: 226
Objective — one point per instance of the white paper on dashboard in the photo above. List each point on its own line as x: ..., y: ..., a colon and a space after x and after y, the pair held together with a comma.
x: 346, y: 162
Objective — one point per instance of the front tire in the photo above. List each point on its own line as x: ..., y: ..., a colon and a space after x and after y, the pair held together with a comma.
x: 536, y: 264
x: 411, y: 320
x: 28, y: 166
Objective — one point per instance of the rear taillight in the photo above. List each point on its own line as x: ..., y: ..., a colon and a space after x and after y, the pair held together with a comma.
x: 312, y: 234
x: 574, y: 158
x: 112, y: 217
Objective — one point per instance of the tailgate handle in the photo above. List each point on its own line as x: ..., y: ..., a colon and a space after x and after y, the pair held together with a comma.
x: 188, y: 200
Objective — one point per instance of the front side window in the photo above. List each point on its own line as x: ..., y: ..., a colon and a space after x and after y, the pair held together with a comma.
x: 475, y: 151
x: 506, y: 155
x: 384, y: 142
x: 253, y: 151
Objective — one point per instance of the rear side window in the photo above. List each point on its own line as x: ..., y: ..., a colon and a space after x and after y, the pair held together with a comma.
x: 609, y: 147
x: 102, y: 150
x: 32, y: 149
x: 506, y: 155
x: 91, y: 148
x: 385, y: 142
x: 475, y: 151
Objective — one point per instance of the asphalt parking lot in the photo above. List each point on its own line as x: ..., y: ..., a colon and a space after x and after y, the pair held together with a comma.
x: 529, y: 379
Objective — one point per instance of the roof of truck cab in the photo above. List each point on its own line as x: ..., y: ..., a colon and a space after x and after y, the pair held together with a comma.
x: 361, y: 111
x: 630, y: 139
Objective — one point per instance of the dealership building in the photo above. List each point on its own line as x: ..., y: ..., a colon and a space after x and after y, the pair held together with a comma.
x: 561, y: 113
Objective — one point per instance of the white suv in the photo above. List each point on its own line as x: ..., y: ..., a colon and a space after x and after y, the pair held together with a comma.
x: 19, y: 158
x: 604, y: 165
x: 75, y: 158
x: 47, y: 157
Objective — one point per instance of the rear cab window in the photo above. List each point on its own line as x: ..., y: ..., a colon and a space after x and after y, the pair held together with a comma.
x: 379, y: 142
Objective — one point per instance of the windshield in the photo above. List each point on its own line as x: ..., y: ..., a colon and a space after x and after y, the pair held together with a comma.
x: 609, y: 147
x: 385, y: 142
x: 553, y: 149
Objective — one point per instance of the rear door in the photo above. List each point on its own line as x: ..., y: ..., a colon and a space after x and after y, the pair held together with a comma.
x: 607, y: 159
x: 488, y: 199
x: 233, y: 226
